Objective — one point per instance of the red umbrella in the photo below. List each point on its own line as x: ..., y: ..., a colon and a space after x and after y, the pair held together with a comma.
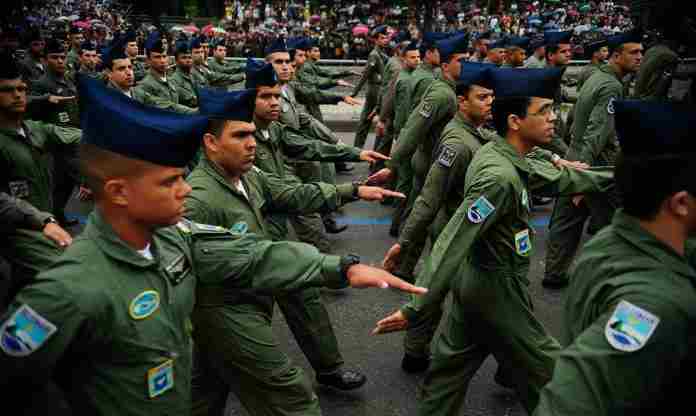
x: 82, y: 24
x: 190, y: 29
x: 207, y: 28
x: 360, y: 30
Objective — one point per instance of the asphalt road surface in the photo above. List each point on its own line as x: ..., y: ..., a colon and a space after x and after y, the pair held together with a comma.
x: 389, y: 391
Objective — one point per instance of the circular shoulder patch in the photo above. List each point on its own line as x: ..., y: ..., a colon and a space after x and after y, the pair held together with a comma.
x: 630, y: 327
x: 610, y: 105
x: 144, y: 305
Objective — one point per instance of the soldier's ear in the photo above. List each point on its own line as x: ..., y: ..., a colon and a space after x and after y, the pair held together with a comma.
x: 115, y: 192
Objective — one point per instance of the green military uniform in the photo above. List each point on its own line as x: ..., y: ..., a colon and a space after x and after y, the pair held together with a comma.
x: 31, y: 69
x: 593, y: 142
x: 203, y: 76
x: 66, y: 113
x: 421, y: 133
x: 139, y: 69
x: 654, y: 78
x: 423, y: 76
x: 312, y: 74
x: 585, y: 74
x: 372, y: 75
x: 535, y: 63
x: 186, y: 87
x: 224, y: 67
x: 482, y: 255
x: 121, y: 321
x: 28, y: 165
x: 385, y: 105
x: 279, y: 144
x: 249, y: 356
x: 72, y: 59
x: 142, y: 96
x: 627, y: 283
x: 163, y: 89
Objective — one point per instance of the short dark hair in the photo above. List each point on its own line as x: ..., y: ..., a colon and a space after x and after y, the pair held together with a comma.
x: 503, y: 107
x: 551, y: 49
x: 216, y: 126
x: 644, y: 182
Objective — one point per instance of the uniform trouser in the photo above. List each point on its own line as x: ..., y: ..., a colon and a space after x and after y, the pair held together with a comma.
x: 64, y: 182
x: 404, y: 183
x: 310, y: 227
x: 420, y: 164
x: 566, y: 227
x: 491, y: 314
x: 383, y: 145
x: 364, y: 124
x: 241, y: 350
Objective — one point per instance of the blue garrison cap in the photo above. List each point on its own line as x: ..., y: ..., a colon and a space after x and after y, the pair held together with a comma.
x: 454, y: 45
x: 474, y: 73
x: 227, y: 105
x: 304, y: 44
x: 519, y: 42
x: 54, y: 45
x: 526, y: 82
x: 499, y: 44
x: 260, y: 74
x: 278, y: 45
x: 484, y: 35
x: 593, y: 47
x: 651, y: 128
x: 379, y: 30
x: 557, y: 38
x: 616, y: 41
x: 402, y: 36
x: 115, y: 50
x: 195, y: 43
x: 536, y: 43
x: 182, y: 46
x: 130, y: 36
x: 154, y: 43
x: 74, y: 30
x: 114, y: 122
x: 433, y: 37
x: 293, y: 42
x: 88, y: 45
x: 413, y: 45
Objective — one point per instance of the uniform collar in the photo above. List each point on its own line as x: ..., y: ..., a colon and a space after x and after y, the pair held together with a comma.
x: 628, y: 228
x: 58, y: 80
x: 183, y: 74
x: 214, y: 171
x: 449, y: 82
x: 101, y: 232
x: 610, y: 70
x: 30, y: 138
x: 428, y: 67
x: 466, y: 125
x: 510, y: 153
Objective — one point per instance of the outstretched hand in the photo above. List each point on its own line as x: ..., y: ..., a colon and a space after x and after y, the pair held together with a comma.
x: 372, y: 156
x: 352, y: 101
x: 380, y: 177
x: 395, y: 322
x: 362, y: 276
x: 393, y: 258
x: 375, y: 193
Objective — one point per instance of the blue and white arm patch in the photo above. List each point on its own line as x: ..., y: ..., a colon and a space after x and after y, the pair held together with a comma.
x: 25, y: 332
x: 630, y: 327
x: 480, y: 210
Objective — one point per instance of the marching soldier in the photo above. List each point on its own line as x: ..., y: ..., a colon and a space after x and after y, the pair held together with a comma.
x: 597, y: 52
x: 32, y: 66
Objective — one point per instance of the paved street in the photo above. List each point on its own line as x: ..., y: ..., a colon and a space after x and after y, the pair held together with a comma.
x: 389, y: 391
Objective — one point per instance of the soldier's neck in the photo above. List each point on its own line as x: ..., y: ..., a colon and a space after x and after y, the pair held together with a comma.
x: 156, y: 73
x: 668, y: 231
x: 232, y: 178
x: 133, y: 233
x: 11, y: 121
x: 522, y: 146
x: 617, y: 69
x: 185, y: 70
x: 261, y: 124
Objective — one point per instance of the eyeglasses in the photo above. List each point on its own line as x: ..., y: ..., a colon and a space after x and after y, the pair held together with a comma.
x: 546, y: 111
x: 8, y: 89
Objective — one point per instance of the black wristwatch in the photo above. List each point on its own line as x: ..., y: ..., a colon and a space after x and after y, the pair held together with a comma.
x: 50, y: 220
x: 347, y: 261
x: 356, y: 189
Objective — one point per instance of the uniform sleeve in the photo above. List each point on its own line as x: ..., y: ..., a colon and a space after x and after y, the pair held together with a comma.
x: 450, y: 162
x: 402, y: 97
x: 43, y: 324
x: 221, y: 79
x: 290, y: 197
x: 386, y: 107
x: 17, y: 213
x: 299, y: 147
x: 551, y: 181
x: 486, y: 201
x: 367, y: 72
x: 432, y: 109
x: 600, y: 127
x: 248, y: 261
x: 305, y: 77
x: 143, y: 96
x: 307, y: 94
x: 198, y: 210
x: 591, y: 377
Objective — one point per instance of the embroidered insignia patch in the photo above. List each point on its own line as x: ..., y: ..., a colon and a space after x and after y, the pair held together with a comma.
x: 19, y: 189
x: 426, y: 110
x: 160, y: 379
x: 447, y: 156
x: 208, y: 227
x: 630, y: 327
x: 610, y: 105
x: 240, y: 227
x: 480, y: 210
x: 525, y: 199
x: 24, y: 332
x: 144, y: 305
x: 63, y: 117
x: 523, y: 244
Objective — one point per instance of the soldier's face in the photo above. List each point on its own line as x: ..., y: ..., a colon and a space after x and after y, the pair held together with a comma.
x: 300, y: 58
x: 154, y: 198
x: 267, y: 106
x: 482, y: 46
x: 235, y: 149
x: 132, y: 49
x: 433, y: 57
x: 13, y: 96
x: 37, y: 47
x: 412, y: 59
x: 220, y: 52
x: 121, y: 73
x: 382, y: 40
x: 77, y: 39
x: 198, y: 56
x: 184, y: 61
x: 562, y: 55
x: 56, y: 62
x: 315, y: 53
x: 602, y: 54
x: 516, y: 57
x: 538, y: 126
x: 281, y: 65
x: 497, y: 56
x: 88, y: 59
x: 629, y: 57
x: 477, y: 105
x: 454, y: 66
x: 158, y: 62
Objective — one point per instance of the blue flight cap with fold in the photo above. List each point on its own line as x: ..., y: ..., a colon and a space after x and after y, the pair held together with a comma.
x: 195, y: 43
x: 452, y: 46
x: 413, y: 45
x: 114, y: 122
x: 154, y: 43
x: 557, y: 38
x: 592, y: 47
x: 379, y: 30
x: 402, y: 36
x: 615, y: 41
x: 651, y: 128
x: 521, y: 42
x: 277, y: 45
x: 182, y: 47
x: 536, y: 43
x: 115, y: 50
x: 130, y: 36
x: 54, y: 45
x: 499, y: 44
x: 260, y: 74
x: 88, y: 45
x: 474, y: 73
x: 526, y: 82
x: 433, y: 37
x: 227, y: 105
